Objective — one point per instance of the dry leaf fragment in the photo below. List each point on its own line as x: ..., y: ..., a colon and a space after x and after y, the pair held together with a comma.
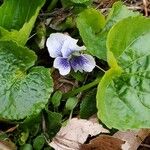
x: 7, y: 145
x: 75, y: 133
x: 12, y: 128
x: 133, y: 138
x: 103, y: 142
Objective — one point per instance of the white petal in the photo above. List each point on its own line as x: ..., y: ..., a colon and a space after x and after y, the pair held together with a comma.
x: 62, y: 64
x: 70, y: 46
x: 54, y: 44
x: 90, y: 63
x: 83, y: 62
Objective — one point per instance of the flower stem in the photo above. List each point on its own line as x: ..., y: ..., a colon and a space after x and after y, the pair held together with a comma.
x: 100, y: 68
x: 81, y: 89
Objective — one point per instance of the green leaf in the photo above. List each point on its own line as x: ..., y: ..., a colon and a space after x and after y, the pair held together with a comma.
x: 23, y: 137
x: 56, y: 98
x: 78, y: 76
x: 39, y: 142
x: 71, y: 103
x: 88, y: 105
x: 94, y: 29
x: 18, y: 25
x: 90, y: 22
x: 79, y: 1
x: 123, y: 93
x: 26, y: 147
x: 118, y: 13
x: 24, y: 91
x: 53, y: 122
x: 77, y: 4
x: 32, y: 123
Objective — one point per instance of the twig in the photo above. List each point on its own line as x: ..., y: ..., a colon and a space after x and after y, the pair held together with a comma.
x: 145, y: 7
x: 137, y: 8
x: 66, y: 81
x: 32, y: 36
x: 100, y: 68
x: 145, y: 145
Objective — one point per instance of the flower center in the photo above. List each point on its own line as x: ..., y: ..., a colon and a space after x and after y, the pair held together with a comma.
x: 74, y: 54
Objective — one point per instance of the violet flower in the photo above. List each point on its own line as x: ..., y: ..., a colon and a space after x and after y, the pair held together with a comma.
x: 68, y: 54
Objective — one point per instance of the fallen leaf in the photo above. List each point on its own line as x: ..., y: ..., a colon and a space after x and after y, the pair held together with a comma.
x: 76, y: 133
x: 103, y: 142
x: 7, y: 145
x: 133, y: 139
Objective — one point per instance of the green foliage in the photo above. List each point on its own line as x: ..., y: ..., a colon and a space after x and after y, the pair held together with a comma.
x: 80, y: 1
x: 41, y: 35
x: 94, y: 29
x: 18, y: 25
x: 116, y: 14
x: 90, y: 22
x: 88, y: 105
x: 78, y: 76
x: 71, y: 103
x: 32, y: 124
x: 26, y: 147
x: 76, y: 3
x: 123, y: 94
x: 24, y: 91
x: 122, y: 39
x: 39, y: 142
x: 56, y: 98
x: 53, y: 122
x: 23, y: 137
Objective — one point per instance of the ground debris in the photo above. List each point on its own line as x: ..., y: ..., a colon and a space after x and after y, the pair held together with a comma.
x: 103, y: 142
x: 76, y: 133
x: 133, y: 139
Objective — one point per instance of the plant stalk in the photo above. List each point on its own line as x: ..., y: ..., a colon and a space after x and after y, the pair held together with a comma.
x: 81, y: 89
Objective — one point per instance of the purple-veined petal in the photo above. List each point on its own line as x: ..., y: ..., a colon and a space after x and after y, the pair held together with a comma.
x: 70, y: 46
x: 76, y: 62
x: 83, y: 62
x: 62, y: 64
x: 54, y: 44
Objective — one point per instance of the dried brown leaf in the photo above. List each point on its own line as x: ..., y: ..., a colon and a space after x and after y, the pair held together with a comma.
x: 7, y: 145
x: 103, y: 142
x: 76, y: 133
x: 133, y: 139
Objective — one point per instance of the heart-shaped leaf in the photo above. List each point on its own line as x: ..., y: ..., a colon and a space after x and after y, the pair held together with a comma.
x: 24, y: 89
x: 123, y: 93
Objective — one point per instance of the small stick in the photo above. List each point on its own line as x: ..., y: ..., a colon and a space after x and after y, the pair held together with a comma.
x: 145, y: 7
x: 145, y: 145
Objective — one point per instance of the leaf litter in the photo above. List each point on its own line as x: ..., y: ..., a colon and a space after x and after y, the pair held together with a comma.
x: 75, y: 133
x: 133, y: 139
